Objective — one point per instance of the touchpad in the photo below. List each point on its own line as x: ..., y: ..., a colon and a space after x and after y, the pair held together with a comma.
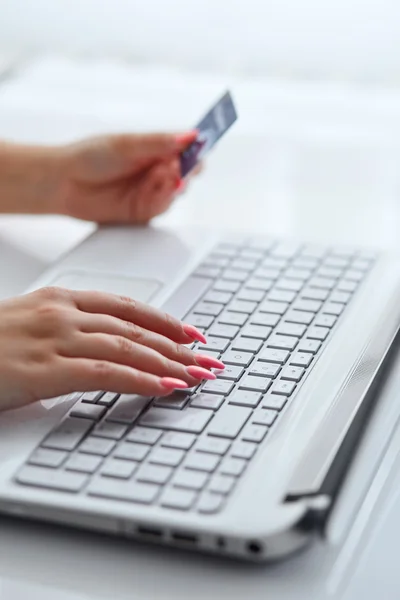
x: 138, y: 288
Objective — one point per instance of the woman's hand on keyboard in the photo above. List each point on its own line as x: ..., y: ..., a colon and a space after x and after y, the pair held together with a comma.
x: 121, y: 179
x: 54, y: 342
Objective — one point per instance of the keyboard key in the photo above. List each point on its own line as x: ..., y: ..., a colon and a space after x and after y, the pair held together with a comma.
x: 98, y: 446
x: 233, y: 466
x: 183, y: 441
x: 251, y: 253
x: 232, y: 318
x: 333, y: 308
x: 127, y: 409
x: 132, y: 451
x: 359, y: 264
x: 264, y: 416
x: 189, y: 420
x: 282, y: 342
x: 292, y: 373
x: 257, y: 283
x: 51, y: 479
x: 142, y: 435
x: 192, y: 480
x: 244, y: 450
x: 208, y: 308
x: 301, y: 359
x: 246, y: 397
x: 273, y: 401
x: 202, y: 321
x: 216, y: 261
x: 170, y: 457
x: 154, y: 474
x: 254, y: 383
x: 108, y: 399
x: 83, y: 463
x: 292, y: 329
x: 330, y: 272
x: 201, y: 461
x: 210, y: 401
x: 236, y: 357
x: 299, y: 316
x: 68, y: 434
x: 231, y: 372
x: 264, y: 369
x: 130, y: 491
x: 246, y: 344
x: 212, y: 445
x: 283, y: 388
x: 241, y: 306
x: 210, y: 503
x: 322, y: 283
x: 318, y: 333
x: 325, y: 321
x: 256, y: 331
x: 265, y: 319
x: 249, y: 295
x: 271, y: 262
x: 221, y: 484
x: 305, y: 262
x: 307, y: 305
x: 243, y: 264
x: 218, y: 297
x: 178, y: 499
x: 120, y: 469
x: 347, y: 286
x: 281, y: 296
x: 87, y: 411
x: 314, y: 294
x: 176, y: 400
x: 335, y: 261
x: 298, y: 273
x: 309, y: 346
x: 293, y: 285
x: 234, y: 275
x: 278, y: 308
x: 91, y: 397
x: 254, y: 433
x: 228, y: 421
x: 274, y: 356
x: 341, y: 297
x: 224, y: 331
x: 45, y: 457
x: 216, y: 344
x: 223, y: 285
x: 218, y: 386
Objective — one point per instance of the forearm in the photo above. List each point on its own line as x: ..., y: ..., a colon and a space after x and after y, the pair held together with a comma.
x: 28, y: 178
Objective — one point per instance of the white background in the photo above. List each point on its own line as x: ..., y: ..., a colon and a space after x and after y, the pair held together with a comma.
x: 339, y: 39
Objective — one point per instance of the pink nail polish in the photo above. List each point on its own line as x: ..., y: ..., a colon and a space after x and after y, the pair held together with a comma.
x: 200, y: 373
x: 171, y: 383
x: 194, y: 334
x: 208, y: 362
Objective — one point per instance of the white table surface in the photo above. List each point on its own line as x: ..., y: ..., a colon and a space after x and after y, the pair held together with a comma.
x: 320, y: 163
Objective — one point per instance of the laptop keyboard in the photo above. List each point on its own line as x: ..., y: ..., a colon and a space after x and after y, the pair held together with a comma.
x: 268, y: 310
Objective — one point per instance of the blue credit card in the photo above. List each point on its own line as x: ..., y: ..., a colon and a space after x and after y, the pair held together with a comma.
x: 211, y: 128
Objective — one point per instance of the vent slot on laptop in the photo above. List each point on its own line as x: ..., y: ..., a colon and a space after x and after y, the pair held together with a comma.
x: 150, y: 532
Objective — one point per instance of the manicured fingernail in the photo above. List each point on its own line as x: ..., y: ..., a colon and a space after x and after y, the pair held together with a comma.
x: 200, y: 373
x: 194, y: 333
x: 170, y: 383
x: 184, y: 139
x: 179, y: 184
x: 209, y: 362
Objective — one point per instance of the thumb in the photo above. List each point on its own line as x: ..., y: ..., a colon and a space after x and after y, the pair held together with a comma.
x: 151, y: 146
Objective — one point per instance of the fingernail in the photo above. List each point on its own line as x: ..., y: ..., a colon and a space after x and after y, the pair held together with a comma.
x: 184, y: 139
x: 173, y: 384
x: 200, y: 373
x: 209, y: 362
x: 194, y: 333
x: 179, y: 184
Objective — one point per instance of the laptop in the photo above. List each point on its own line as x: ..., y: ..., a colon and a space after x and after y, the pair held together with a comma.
x: 252, y: 465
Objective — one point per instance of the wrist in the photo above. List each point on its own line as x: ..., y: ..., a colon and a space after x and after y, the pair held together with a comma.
x: 29, y: 179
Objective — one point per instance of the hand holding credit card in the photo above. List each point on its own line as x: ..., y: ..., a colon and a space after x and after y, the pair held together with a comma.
x: 211, y: 128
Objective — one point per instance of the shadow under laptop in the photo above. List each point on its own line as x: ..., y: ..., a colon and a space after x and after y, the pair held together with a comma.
x: 68, y: 560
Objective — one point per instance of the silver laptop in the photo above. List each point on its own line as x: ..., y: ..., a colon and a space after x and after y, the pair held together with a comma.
x: 250, y: 465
